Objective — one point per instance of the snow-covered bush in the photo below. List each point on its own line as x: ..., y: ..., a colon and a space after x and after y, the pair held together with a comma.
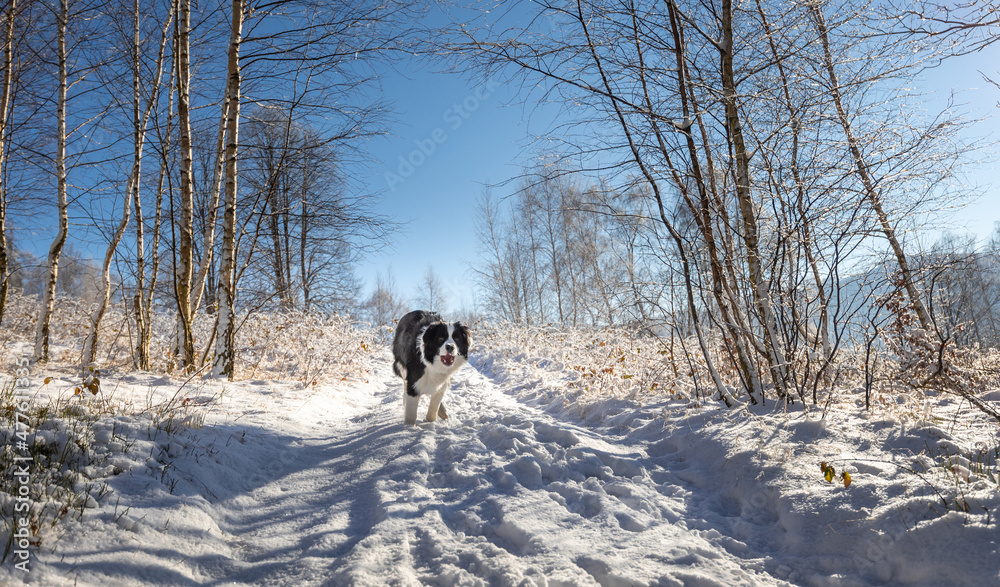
x: 51, y: 451
x: 929, y: 359
x: 596, y: 362
x: 57, y: 456
x: 300, y: 346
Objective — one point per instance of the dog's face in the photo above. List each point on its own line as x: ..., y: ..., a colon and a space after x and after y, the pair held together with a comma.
x: 446, y: 345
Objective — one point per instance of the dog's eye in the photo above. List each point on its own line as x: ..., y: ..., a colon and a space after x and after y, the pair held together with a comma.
x: 436, y: 336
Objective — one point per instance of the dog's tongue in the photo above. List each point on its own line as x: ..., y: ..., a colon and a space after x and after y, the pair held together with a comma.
x: 447, y: 360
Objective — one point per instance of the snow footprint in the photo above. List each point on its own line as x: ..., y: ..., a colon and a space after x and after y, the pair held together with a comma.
x: 586, y: 482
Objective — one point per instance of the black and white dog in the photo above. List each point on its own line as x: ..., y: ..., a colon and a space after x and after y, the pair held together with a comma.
x: 426, y: 353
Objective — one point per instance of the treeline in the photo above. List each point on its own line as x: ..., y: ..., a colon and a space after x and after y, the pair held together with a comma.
x: 964, y: 283
x: 567, y: 251
x: 210, y: 151
x: 564, y: 250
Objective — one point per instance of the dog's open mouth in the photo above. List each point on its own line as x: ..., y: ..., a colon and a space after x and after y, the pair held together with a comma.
x: 447, y: 360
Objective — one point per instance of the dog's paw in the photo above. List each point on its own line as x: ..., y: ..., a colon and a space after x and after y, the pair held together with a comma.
x: 442, y: 413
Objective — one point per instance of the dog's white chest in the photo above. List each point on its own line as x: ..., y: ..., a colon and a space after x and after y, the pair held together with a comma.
x: 432, y: 382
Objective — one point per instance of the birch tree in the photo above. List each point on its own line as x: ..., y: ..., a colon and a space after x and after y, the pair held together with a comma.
x: 862, y: 168
x: 5, y: 95
x: 144, y: 295
x: 140, y: 122
x: 306, y: 60
x: 223, y: 363
x: 183, y: 277
x: 47, y: 304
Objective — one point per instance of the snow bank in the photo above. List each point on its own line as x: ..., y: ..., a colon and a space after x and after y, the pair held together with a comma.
x: 546, y: 474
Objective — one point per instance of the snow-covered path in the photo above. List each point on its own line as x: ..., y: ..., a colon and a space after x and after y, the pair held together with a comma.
x: 281, y: 485
x: 303, y: 489
x: 505, y: 495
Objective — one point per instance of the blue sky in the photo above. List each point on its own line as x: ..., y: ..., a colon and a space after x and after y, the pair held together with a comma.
x: 964, y: 76
x: 454, y: 136
x: 487, y: 145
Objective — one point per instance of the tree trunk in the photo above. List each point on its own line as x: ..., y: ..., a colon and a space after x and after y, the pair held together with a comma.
x: 722, y: 277
x: 286, y: 214
x: 759, y: 286
x: 277, y: 262
x: 553, y: 251
x: 702, y: 210
x: 867, y: 182
x: 303, y: 264
x: 145, y: 305
x: 204, y: 269
x: 225, y: 329
x: 47, y: 305
x: 185, y: 222
x: 8, y: 76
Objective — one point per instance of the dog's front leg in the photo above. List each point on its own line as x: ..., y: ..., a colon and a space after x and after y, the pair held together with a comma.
x: 410, y: 401
x: 436, y: 409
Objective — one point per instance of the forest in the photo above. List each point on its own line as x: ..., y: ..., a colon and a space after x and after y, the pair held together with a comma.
x: 748, y: 178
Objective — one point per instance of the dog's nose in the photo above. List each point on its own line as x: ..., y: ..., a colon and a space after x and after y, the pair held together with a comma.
x: 450, y: 348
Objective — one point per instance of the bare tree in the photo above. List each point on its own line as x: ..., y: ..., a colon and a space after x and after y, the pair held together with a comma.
x: 430, y: 293
x: 385, y: 304
x: 964, y: 283
x: 226, y: 327
x: 47, y: 304
x: 184, y: 275
x: 144, y: 296
x: 297, y: 59
x: 5, y: 106
x: 716, y: 108
x: 862, y: 169
x: 498, y: 272
x: 140, y: 123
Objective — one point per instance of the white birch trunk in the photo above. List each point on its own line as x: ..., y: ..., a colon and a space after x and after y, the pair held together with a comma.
x: 140, y: 122
x: 185, y: 222
x: 223, y: 362
x: 213, y: 208
x: 47, y: 305
x: 8, y: 75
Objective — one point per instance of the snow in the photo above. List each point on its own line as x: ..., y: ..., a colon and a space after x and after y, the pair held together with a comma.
x: 532, y: 481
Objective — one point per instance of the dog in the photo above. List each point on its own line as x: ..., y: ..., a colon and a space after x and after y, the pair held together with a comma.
x: 426, y: 352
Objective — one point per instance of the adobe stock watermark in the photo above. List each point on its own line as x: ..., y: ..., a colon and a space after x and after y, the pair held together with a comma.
x: 454, y: 117
x: 874, y: 554
x: 21, y: 520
